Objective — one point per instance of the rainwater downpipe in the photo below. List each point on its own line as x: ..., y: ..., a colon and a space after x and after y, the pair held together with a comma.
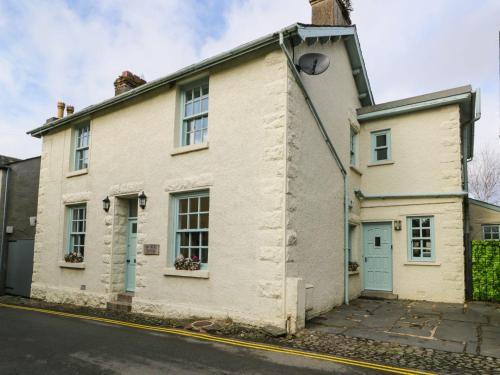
x: 329, y: 143
x: 4, y: 217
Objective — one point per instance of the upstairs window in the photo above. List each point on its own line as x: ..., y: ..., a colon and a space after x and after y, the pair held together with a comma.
x: 353, y: 148
x: 491, y: 232
x: 381, y: 145
x: 81, y: 142
x: 421, y: 238
x: 195, y: 115
x: 77, y: 226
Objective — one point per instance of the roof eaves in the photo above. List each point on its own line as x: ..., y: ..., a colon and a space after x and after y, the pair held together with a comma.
x: 484, y: 204
x: 350, y: 36
x: 454, y: 96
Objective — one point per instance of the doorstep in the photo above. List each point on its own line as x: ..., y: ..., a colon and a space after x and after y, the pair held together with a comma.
x: 378, y: 294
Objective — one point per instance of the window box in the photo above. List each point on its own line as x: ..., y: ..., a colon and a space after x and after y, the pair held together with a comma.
x: 201, y: 274
x: 76, y: 266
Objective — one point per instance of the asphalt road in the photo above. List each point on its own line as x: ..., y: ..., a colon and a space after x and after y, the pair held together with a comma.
x: 37, y: 343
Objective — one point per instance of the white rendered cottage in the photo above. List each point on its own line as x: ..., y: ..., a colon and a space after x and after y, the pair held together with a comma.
x: 275, y: 182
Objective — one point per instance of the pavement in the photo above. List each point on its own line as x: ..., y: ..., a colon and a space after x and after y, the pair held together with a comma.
x: 40, y: 343
x: 473, y: 328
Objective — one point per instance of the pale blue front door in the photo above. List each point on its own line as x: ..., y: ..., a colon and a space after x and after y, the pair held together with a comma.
x: 131, y: 255
x: 377, y: 256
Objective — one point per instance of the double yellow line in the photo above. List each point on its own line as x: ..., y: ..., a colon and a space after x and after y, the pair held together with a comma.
x: 227, y: 341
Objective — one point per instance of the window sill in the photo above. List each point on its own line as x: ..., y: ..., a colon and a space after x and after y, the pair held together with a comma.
x: 200, y: 274
x: 76, y: 266
x: 433, y: 264
x: 375, y: 164
x: 77, y: 173
x: 190, y: 148
x: 352, y: 273
x: 355, y: 170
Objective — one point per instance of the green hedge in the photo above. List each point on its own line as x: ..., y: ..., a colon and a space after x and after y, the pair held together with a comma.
x: 486, y: 270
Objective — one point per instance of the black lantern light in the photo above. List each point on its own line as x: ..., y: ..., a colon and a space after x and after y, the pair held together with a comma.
x: 142, y: 200
x: 106, y: 203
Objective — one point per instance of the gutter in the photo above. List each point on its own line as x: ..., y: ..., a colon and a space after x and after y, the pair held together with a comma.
x: 335, y: 155
x: 360, y: 195
x: 413, y: 107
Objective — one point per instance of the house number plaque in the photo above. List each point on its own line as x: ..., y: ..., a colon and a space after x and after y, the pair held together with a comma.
x: 151, y: 249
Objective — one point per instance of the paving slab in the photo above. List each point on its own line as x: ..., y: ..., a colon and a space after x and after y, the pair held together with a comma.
x: 472, y: 328
x: 452, y: 330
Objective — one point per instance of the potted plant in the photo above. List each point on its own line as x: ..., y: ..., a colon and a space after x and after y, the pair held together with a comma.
x: 353, y: 266
x: 186, y: 263
x: 73, y: 257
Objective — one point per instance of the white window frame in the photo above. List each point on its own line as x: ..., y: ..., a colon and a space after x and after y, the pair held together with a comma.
x: 81, y: 147
x: 77, y: 234
x: 179, y: 234
x: 421, y: 238
x: 488, y: 231
x: 194, y: 122
x: 375, y: 148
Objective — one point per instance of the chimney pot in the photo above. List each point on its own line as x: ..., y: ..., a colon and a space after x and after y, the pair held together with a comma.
x: 127, y: 81
x: 70, y: 110
x: 330, y: 12
x: 60, y: 109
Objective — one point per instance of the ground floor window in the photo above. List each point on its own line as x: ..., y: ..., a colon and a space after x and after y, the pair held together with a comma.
x: 421, y: 238
x: 491, y: 232
x: 77, y: 226
x: 191, y: 226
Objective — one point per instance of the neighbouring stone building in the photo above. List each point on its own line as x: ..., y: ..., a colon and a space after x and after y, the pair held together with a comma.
x: 484, y: 220
x: 18, y: 207
x: 291, y: 192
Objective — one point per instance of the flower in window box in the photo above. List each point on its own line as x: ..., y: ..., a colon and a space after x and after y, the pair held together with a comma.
x: 353, y: 266
x: 73, y: 257
x: 187, y: 264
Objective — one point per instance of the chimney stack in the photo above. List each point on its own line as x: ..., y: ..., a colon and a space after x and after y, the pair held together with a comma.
x: 70, y: 110
x: 60, y: 109
x: 127, y: 81
x: 330, y: 12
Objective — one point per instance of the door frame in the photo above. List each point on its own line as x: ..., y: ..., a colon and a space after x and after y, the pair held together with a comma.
x: 130, y: 222
x: 391, y: 260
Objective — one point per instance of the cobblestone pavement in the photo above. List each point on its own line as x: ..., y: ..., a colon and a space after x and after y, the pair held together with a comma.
x: 473, y: 328
x: 317, y: 337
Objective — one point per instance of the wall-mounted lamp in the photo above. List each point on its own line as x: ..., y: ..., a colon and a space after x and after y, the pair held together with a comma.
x: 397, y: 224
x: 106, y: 203
x: 142, y: 200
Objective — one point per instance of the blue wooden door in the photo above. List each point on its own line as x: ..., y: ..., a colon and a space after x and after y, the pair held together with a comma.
x: 377, y: 256
x: 131, y: 255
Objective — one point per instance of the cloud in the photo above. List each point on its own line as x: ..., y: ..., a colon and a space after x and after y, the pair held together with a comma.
x: 73, y: 50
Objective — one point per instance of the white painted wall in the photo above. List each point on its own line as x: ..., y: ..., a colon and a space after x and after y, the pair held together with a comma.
x: 426, y: 159
x: 243, y: 167
x: 315, y: 200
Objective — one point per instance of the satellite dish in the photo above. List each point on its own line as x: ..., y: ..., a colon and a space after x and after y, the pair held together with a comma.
x: 313, y: 63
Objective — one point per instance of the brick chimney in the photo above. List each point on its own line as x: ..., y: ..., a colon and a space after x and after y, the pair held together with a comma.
x: 330, y: 12
x: 127, y: 81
